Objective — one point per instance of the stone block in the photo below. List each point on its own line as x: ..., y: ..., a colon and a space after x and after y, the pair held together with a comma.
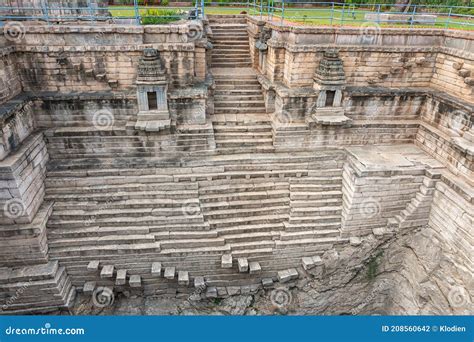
x: 156, y: 269
x: 183, y: 278
x: 355, y: 241
x: 307, y: 263
x: 284, y: 276
x: 211, y: 292
x: 135, y: 281
x: 267, y: 282
x: 293, y: 273
x: 89, y: 287
x: 170, y: 272
x: 93, y: 266
x: 199, y: 282
x: 107, y: 271
x: 221, y: 291
x: 243, y: 265
x: 226, y: 261
x: 254, y: 267
x: 121, y: 277
x: 233, y: 290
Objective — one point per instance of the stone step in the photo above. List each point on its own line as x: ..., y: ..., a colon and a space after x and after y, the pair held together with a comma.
x: 191, y: 243
x: 239, y: 204
x: 101, y: 241
x: 97, y: 251
x: 318, y: 180
x: 159, y: 196
x: 218, y: 47
x: 230, y: 59
x: 306, y: 195
x: 125, y: 220
x: 244, y: 82
x: 232, y: 87
x: 248, y: 237
x: 305, y: 211
x: 92, y: 206
x: 247, y: 246
x: 232, y: 65
x: 243, y: 212
x: 311, y: 187
x: 244, y: 196
x: 239, y: 104
x: 297, y: 227
x: 228, y: 222
x: 314, y: 219
x: 250, y: 228
x: 242, y: 136
x: 324, y: 241
x: 243, y: 143
x: 223, y: 52
x: 258, y: 98
x: 237, y: 92
x: 316, y: 203
x: 240, y: 110
x: 248, y: 149
x: 99, y: 214
x: 241, y: 129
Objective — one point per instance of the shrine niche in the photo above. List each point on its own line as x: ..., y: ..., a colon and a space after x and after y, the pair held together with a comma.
x: 152, y: 93
x: 330, y: 83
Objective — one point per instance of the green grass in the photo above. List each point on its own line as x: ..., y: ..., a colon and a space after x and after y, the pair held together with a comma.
x: 310, y: 16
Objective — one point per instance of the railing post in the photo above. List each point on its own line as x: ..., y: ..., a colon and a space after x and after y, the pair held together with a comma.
x: 254, y: 6
x: 261, y: 9
x: 137, y: 11
x: 46, y: 12
x: 332, y: 12
x: 413, y: 15
x: 449, y: 17
x: 202, y: 8
x: 282, y: 11
x: 268, y: 9
x: 378, y: 14
x: 342, y: 15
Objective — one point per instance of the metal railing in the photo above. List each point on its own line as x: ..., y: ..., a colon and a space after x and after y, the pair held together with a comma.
x: 308, y: 12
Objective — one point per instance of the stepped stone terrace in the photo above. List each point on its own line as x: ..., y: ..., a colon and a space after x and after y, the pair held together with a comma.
x: 233, y: 165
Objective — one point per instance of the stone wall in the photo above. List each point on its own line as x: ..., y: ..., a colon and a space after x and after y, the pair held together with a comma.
x: 104, y: 57
x: 17, y: 123
x: 10, y: 83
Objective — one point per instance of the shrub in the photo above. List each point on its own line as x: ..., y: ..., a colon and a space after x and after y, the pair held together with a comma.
x: 160, y: 16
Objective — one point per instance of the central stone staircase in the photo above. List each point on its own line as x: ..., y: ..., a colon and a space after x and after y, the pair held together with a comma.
x: 240, y: 121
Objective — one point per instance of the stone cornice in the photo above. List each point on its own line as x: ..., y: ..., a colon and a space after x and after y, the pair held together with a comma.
x: 124, y: 48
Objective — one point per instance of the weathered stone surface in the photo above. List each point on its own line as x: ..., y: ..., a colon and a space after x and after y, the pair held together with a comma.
x: 170, y: 272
